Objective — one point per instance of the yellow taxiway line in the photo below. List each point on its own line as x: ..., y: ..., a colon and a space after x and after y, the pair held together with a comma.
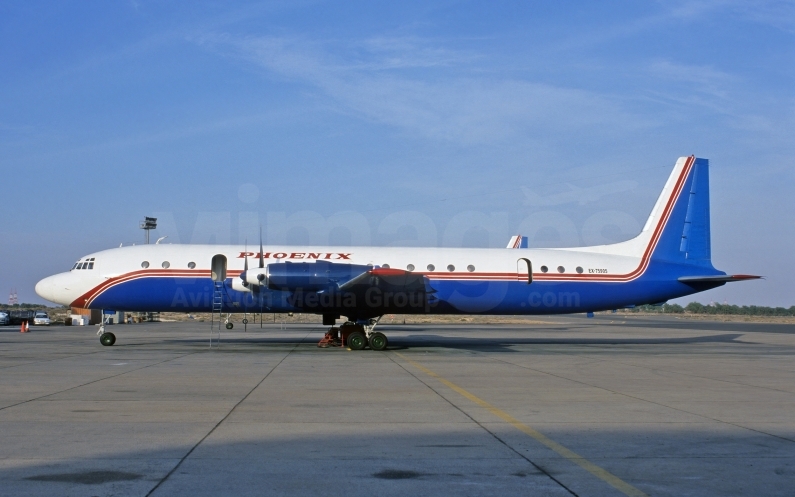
x: 572, y: 456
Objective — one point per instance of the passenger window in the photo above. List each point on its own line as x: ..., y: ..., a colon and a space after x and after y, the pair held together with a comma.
x: 145, y: 264
x: 579, y: 269
x: 191, y: 265
x: 410, y: 267
x: 431, y: 267
x: 544, y: 269
x: 561, y: 269
x: 470, y: 268
x: 451, y: 268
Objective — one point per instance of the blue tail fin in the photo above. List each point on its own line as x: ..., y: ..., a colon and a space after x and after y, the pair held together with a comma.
x: 685, y: 238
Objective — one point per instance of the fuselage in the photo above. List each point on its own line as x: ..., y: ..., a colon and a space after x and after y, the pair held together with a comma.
x: 471, y: 281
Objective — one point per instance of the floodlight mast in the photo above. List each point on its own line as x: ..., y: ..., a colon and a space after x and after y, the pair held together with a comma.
x: 149, y: 223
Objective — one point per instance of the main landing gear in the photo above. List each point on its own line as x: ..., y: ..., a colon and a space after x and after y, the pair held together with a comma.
x: 356, y: 336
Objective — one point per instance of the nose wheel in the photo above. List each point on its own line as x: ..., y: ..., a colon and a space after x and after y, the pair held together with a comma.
x: 107, y: 339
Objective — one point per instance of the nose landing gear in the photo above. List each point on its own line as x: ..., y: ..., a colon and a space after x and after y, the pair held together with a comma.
x: 106, y: 338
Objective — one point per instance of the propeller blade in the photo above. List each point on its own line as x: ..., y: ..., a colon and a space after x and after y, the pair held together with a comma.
x: 261, y: 255
x: 245, y: 266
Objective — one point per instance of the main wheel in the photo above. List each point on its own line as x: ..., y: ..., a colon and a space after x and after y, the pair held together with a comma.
x: 245, y: 321
x: 107, y: 339
x: 357, y: 340
x: 229, y: 326
x: 378, y: 341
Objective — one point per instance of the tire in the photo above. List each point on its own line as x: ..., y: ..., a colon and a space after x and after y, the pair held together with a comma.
x: 245, y: 321
x: 378, y: 341
x: 229, y: 326
x: 107, y: 339
x: 357, y: 340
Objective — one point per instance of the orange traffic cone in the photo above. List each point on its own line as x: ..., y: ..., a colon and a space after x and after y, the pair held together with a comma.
x: 27, y: 326
x: 22, y: 327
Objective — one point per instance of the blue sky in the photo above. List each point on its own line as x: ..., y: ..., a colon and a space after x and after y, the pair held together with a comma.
x: 393, y: 123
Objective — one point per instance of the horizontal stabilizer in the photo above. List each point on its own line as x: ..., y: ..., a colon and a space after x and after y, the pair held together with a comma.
x: 723, y: 278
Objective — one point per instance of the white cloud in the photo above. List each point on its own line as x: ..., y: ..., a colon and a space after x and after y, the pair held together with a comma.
x: 777, y: 13
x: 382, y: 85
x: 704, y: 79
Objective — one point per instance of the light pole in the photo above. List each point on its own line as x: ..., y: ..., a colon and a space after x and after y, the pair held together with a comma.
x: 149, y: 223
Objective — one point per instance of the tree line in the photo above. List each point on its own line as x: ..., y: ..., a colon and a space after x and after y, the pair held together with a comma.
x: 29, y: 307
x: 723, y: 309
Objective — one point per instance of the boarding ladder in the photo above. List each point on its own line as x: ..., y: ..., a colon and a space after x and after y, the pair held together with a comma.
x: 218, y: 306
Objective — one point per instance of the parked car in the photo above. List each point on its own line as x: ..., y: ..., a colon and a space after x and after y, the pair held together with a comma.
x: 41, y: 318
x: 4, y: 319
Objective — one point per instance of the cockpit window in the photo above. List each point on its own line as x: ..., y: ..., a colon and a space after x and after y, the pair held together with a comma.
x: 87, y: 264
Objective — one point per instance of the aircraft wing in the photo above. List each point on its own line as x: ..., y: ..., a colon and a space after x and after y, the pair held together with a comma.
x: 389, y: 279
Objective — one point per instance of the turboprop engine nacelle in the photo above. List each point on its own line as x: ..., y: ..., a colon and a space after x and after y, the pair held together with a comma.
x: 307, y: 276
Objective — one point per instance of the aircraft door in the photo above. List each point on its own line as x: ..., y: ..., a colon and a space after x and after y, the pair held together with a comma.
x: 524, y: 268
x: 218, y: 267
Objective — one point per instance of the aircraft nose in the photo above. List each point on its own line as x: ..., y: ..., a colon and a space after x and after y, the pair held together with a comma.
x: 53, y: 288
x: 45, y: 289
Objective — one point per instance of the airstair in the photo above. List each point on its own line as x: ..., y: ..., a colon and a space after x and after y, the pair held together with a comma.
x: 218, y: 274
x: 218, y: 306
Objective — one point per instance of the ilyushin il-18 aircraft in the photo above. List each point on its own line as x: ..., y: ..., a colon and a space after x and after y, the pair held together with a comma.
x: 670, y: 258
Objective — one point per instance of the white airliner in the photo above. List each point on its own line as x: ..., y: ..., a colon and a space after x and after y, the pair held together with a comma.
x: 670, y: 258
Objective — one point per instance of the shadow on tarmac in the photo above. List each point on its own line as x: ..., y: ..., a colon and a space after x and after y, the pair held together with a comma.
x: 429, y: 341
